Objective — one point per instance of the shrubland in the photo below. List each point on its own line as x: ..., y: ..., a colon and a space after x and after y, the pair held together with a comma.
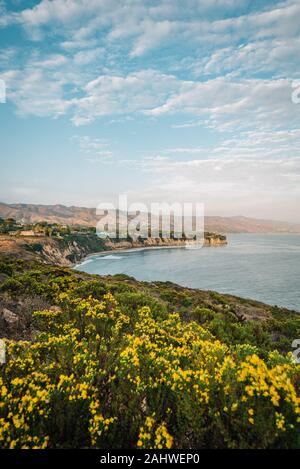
x: 109, y: 362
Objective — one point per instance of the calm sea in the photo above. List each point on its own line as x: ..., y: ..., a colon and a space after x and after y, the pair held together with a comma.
x: 262, y: 267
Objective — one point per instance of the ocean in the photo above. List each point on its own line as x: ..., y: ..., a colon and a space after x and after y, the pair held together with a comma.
x: 261, y: 267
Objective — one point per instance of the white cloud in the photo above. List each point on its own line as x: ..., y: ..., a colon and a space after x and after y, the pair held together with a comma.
x: 153, y: 33
x: 279, y: 57
x: 255, y: 145
x: 92, y: 147
x: 227, y: 104
x: 254, y: 171
x: 223, y: 103
x: 136, y: 27
x: 62, y: 11
x: 35, y: 92
x: 75, y: 44
x: 7, y: 55
x: 53, y: 61
x: 153, y: 26
x: 88, y: 56
x: 261, y: 187
x: 137, y: 92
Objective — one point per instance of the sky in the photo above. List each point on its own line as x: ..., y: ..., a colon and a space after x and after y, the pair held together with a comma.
x: 165, y: 101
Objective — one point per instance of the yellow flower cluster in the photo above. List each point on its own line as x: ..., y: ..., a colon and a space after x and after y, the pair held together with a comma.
x: 154, y: 436
x: 98, y: 424
x: 273, y: 384
x: 101, y: 375
x: 183, y: 362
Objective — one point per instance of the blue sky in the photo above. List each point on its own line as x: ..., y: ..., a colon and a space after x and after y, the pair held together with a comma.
x: 162, y: 100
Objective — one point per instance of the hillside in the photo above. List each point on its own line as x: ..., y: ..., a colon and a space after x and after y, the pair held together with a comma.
x: 109, y: 362
x: 69, y: 248
x: 74, y: 248
x: 31, y: 213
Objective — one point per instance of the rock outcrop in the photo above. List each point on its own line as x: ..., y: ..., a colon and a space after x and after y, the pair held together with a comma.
x: 73, y: 248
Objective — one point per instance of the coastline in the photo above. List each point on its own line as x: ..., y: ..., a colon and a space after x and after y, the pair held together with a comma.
x: 74, y: 248
x: 113, y: 251
x: 138, y: 248
x: 208, y: 269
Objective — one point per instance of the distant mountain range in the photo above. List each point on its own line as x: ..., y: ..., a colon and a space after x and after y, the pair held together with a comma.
x: 31, y: 213
x: 240, y: 224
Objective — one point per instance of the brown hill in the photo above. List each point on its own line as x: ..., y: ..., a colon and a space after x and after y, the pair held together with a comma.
x: 240, y: 224
x: 87, y: 217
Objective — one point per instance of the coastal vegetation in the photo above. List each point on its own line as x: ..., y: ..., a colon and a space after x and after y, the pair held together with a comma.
x: 67, y: 244
x: 109, y: 362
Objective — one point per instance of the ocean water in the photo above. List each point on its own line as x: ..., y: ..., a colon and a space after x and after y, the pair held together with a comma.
x: 261, y: 267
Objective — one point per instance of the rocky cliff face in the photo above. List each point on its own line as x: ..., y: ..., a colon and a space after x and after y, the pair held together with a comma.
x: 63, y: 252
x: 215, y: 240
x: 73, y: 248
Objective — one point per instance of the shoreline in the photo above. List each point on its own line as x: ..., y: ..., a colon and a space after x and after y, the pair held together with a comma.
x: 271, y: 301
x: 133, y: 249
x: 141, y: 248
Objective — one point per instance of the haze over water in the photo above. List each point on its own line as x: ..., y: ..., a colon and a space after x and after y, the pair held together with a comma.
x: 261, y: 267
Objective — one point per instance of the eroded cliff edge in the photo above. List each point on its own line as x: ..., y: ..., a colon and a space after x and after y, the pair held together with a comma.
x: 71, y: 249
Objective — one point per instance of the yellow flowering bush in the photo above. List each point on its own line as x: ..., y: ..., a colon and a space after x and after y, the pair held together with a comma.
x: 154, y: 437
x: 100, y: 373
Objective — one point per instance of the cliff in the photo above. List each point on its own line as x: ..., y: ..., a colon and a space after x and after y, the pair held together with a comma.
x: 210, y: 240
x: 72, y: 248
